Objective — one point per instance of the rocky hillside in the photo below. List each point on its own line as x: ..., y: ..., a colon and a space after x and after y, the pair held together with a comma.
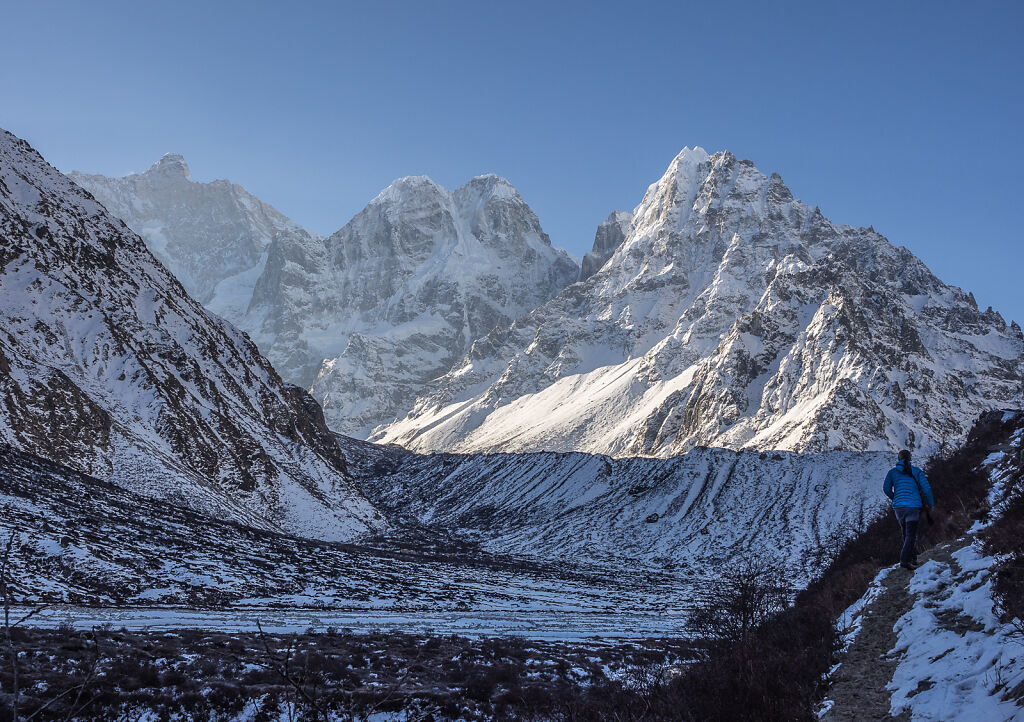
x: 107, y: 365
x: 943, y: 641
x: 731, y: 315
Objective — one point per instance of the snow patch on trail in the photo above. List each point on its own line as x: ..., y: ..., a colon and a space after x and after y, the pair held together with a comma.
x: 957, y: 659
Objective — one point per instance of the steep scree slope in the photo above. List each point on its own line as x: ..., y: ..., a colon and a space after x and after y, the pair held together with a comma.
x: 686, y: 514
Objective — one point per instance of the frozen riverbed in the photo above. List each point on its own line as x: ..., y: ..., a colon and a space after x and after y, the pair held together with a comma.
x: 562, y: 626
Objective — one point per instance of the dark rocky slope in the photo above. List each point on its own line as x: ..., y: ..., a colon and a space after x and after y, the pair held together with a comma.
x: 108, y: 366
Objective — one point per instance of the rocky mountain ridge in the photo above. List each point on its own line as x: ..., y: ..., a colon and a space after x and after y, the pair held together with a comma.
x: 722, y: 312
x: 367, y: 316
x: 214, y: 237
x: 731, y: 315
x: 396, y: 296
x: 610, y: 234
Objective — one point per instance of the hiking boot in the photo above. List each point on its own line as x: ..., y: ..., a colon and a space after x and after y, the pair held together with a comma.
x: 911, y: 566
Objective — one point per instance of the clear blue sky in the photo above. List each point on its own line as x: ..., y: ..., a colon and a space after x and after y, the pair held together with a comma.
x: 908, y: 116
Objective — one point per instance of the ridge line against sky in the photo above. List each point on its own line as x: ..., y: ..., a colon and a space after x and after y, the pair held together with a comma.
x: 906, y: 117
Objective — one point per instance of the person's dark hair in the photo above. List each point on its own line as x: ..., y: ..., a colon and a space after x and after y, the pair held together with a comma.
x: 905, y: 458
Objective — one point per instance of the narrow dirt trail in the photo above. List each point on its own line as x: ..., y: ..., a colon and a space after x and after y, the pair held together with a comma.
x: 858, y: 687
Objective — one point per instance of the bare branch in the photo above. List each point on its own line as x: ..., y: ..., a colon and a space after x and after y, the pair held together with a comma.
x: 32, y: 613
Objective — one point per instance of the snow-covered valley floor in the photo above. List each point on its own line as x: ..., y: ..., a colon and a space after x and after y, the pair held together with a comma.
x: 541, y: 625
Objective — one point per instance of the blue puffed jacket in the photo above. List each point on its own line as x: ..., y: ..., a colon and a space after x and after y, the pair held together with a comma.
x: 902, y: 489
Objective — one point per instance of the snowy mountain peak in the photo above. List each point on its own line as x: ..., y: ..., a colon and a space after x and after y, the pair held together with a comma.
x: 690, y: 156
x: 394, y: 298
x: 214, y: 237
x: 730, y: 314
x: 671, y: 197
x: 490, y: 183
x: 171, y: 165
x: 422, y: 189
x: 402, y: 190
x: 683, y: 168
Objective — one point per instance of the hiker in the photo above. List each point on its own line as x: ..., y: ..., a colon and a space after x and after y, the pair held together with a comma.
x: 908, y: 489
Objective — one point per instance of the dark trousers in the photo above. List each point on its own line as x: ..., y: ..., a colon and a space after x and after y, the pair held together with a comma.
x: 909, y: 518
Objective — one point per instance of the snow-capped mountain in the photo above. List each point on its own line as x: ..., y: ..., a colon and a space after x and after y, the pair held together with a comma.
x: 396, y: 297
x: 108, y: 366
x: 731, y: 315
x: 369, y: 315
x: 214, y: 237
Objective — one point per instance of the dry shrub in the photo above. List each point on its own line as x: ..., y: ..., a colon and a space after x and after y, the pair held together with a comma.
x: 1005, y: 538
